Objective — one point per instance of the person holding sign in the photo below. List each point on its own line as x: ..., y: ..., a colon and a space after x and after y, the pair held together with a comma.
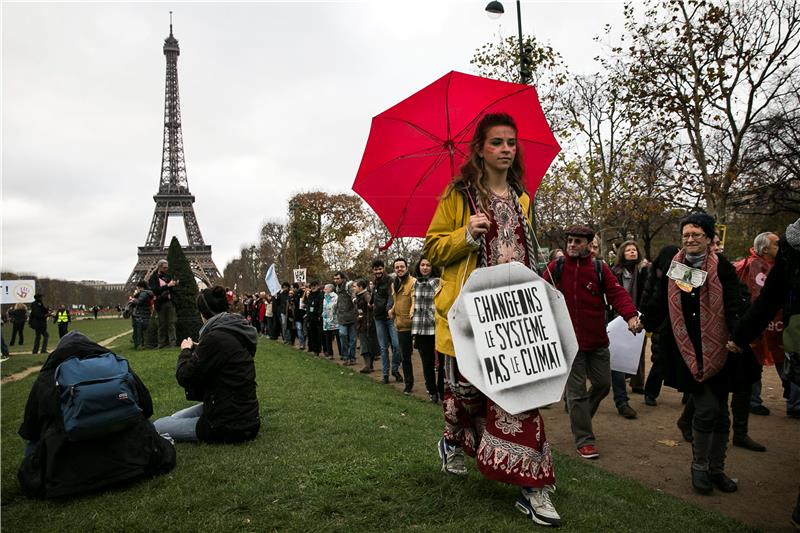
x: 703, y: 299
x: 483, y: 219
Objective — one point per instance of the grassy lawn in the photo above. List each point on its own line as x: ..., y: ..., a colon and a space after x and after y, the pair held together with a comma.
x: 337, y: 452
x: 95, y: 329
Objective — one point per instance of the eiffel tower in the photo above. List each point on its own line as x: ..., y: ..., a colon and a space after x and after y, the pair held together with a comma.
x: 173, y: 198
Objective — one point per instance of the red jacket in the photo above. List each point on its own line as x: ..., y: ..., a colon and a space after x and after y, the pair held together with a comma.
x: 581, y: 288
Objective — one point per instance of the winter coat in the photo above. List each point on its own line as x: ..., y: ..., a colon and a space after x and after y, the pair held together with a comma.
x: 345, y: 305
x: 141, y: 304
x: 584, y: 297
x: 364, y: 313
x: 446, y: 247
x: 381, y: 298
x: 18, y: 316
x: 329, y: 319
x: 740, y: 369
x: 38, y: 318
x: 781, y: 291
x: 158, y: 284
x: 403, y: 308
x: 220, y: 371
x: 59, y: 467
x: 314, y: 305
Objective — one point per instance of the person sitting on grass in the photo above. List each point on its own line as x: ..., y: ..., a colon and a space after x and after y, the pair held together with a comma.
x: 219, y: 370
x: 55, y: 466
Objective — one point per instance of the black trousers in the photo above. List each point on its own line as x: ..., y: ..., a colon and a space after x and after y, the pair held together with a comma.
x: 314, y: 334
x: 17, y: 329
x: 41, y: 335
x: 62, y: 329
x: 427, y: 352
x: 406, y: 342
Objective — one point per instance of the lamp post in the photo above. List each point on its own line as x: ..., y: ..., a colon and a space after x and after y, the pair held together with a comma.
x: 495, y: 9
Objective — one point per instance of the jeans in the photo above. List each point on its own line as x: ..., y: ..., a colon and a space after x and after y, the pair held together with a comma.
x: 388, y: 334
x: 619, y: 387
x: 181, y: 426
x: 347, y: 338
x: 301, y: 334
x: 594, y: 365
x: 790, y: 391
x: 139, y: 330
x: 286, y: 329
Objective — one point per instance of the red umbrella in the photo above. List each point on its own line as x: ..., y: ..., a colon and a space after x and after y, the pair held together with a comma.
x: 416, y: 147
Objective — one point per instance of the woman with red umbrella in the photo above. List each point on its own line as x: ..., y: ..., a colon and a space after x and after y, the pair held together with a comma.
x: 483, y: 219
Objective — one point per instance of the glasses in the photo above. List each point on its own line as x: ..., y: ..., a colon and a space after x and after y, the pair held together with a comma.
x: 693, y: 236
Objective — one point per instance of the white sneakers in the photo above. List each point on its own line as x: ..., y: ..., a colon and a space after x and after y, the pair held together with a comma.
x: 536, y: 504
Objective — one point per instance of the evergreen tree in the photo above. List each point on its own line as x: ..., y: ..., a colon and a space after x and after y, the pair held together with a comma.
x: 184, y: 294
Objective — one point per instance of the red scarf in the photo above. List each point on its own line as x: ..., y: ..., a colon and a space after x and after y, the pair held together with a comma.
x: 713, y: 330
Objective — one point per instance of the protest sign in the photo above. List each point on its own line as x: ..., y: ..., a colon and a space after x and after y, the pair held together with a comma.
x: 520, y: 320
x: 515, y: 335
x: 625, y: 347
x: 17, y: 291
x: 299, y: 275
x: 271, y: 279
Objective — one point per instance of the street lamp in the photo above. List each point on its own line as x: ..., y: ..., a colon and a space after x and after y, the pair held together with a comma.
x: 494, y: 10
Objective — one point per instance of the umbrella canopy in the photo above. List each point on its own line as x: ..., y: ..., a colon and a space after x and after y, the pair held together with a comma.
x: 416, y: 147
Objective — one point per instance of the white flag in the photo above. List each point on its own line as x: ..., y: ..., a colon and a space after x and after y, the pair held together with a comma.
x: 271, y: 279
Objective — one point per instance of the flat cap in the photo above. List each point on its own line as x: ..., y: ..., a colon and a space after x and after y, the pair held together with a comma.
x: 580, y: 231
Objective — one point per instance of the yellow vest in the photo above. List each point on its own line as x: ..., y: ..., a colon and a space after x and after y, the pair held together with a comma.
x: 63, y: 316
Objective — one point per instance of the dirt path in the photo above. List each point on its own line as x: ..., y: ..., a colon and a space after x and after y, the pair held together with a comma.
x: 651, y: 451
x: 28, y: 371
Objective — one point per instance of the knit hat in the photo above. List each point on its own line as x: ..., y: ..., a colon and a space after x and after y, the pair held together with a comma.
x: 702, y: 220
x: 212, y: 301
x: 580, y: 231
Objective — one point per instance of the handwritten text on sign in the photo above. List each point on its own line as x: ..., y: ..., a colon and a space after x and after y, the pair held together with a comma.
x: 516, y: 335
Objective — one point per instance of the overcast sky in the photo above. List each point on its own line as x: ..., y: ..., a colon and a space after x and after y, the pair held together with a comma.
x: 276, y: 98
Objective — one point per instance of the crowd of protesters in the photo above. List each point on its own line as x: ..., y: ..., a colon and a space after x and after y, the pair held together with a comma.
x: 382, y: 318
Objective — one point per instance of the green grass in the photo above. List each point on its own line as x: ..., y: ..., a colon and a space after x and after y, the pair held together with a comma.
x: 94, y: 329
x: 337, y: 452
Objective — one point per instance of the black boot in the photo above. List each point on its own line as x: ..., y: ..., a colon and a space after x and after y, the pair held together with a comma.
x: 744, y: 441
x: 723, y: 482
x: 701, y: 481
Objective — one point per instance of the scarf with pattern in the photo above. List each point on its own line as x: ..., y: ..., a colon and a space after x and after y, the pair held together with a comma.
x: 714, y: 332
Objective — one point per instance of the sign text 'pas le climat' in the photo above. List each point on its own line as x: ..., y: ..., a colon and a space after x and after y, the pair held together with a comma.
x: 516, y: 335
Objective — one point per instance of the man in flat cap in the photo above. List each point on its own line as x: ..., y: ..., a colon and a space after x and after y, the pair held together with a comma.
x: 584, y: 280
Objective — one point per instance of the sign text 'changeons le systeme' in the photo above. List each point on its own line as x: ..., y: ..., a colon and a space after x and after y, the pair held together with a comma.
x: 515, y: 335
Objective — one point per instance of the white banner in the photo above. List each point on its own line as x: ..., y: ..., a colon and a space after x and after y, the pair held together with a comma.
x: 17, y: 291
x: 271, y: 279
x: 299, y: 275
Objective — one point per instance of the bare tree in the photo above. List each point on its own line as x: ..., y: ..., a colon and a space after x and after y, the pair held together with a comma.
x: 713, y: 69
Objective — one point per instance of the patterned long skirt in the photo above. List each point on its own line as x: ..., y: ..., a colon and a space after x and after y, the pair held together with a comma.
x: 509, y: 448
